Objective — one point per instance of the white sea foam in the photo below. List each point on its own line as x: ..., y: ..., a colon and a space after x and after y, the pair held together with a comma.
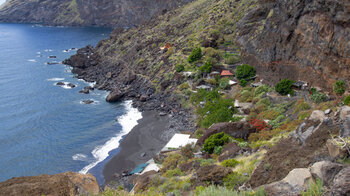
x: 32, y: 60
x: 55, y: 79
x: 79, y: 157
x: 48, y: 50
x: 127, y: 121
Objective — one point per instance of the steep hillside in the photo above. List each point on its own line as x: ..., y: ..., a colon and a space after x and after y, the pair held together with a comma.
x: 300, y: 40
x: 124, y: 13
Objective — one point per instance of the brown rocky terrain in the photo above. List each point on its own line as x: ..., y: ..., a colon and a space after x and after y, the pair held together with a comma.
x: 67, y: 184
x: 122, y: 13
x: 299, y: 40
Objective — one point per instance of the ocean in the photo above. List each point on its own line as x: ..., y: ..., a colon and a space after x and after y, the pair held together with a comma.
x: 45, y: 128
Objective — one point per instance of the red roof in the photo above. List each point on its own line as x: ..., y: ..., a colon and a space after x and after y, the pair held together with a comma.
x: 226, y: 73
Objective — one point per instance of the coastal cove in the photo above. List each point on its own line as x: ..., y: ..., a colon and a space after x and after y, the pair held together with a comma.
x: 46, y: 128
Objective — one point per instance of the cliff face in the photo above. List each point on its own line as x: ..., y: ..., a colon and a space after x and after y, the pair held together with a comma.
x: 85, y: 13
x: 305, y: 40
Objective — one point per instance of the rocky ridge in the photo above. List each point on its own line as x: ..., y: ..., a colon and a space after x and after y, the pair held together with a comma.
x: 114, y: 13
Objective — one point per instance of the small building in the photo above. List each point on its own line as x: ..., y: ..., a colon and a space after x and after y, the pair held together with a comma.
x: 299, y: 85
x: 231, y: 82
x: 226, y: 73
x: 213, y: 74
x: 255, y: 85
x: 205, y: 87
x: 166, y: 46
x: 179, y: 140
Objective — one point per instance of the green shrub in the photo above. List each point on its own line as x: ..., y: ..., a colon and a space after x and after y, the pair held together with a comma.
x: 318, y: 97
x: 218, y: 139
x: 234, y: 180
x: 347, y: 100
x: 206, y: 68
x: 230, y: 163
x: 339, y: 87
x: 179, y: 68
x: 245, y: 72
x: 246, y: 96
x: 261, y: 90
x: 217, y: 150
x: 284, y: 87
x: 243, y: 82
x: 224, y: 83
x: 215, y: 111
x: 269, y: 114
x: 195, y: 55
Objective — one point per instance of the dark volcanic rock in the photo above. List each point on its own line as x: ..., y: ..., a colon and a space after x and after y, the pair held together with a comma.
x: 114, y: 96
x: 230, y: 151
x: 68, y: 183
x: 84, y: 91
x: 88, y: 101
x: 60, y: 84
x: 71, y: 85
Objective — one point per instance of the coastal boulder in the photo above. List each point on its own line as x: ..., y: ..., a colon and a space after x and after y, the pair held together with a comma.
x: 235, y: 129
x: 114, y: 96
x: 68, y: 183
x: 230, y: 151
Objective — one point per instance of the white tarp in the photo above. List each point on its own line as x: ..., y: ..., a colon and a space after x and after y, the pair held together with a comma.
x: 179, y: 140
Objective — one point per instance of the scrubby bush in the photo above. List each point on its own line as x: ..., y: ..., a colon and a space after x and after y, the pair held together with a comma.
x: 284, y: 87
x: 315, y: 189
x: 301, y: 106
x: 195, y: 55
x: 269, y: 114
x: 234, y: 180
x: 179, y: 68
x: 205, y: 162
x: 318, y: 97
x: 171, y: 162
x: 339, y: 87
x: 183, y: 86
x: 232, y: 59
x: 246, y: 95
x: 206, y: 68
x: 230, y: 163
x: 218, y: 139
x: 347, y: 100
x: 224, y: 83
x: 187, y: 151
x: 212, y: 53
x: 258, y: 124
x: 173, y: 172
x: 261, y: 90
x: 245, y: 72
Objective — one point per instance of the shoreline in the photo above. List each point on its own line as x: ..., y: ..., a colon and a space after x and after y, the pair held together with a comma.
x: 141, y: 144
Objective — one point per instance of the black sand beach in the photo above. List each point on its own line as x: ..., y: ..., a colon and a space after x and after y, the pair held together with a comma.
x: 147, y: 137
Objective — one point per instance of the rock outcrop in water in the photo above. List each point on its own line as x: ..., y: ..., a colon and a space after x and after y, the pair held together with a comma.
x: 68, y: 183
x: 124, y: 13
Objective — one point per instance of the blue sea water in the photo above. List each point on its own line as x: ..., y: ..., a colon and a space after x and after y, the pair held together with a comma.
x: 44, y: 128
